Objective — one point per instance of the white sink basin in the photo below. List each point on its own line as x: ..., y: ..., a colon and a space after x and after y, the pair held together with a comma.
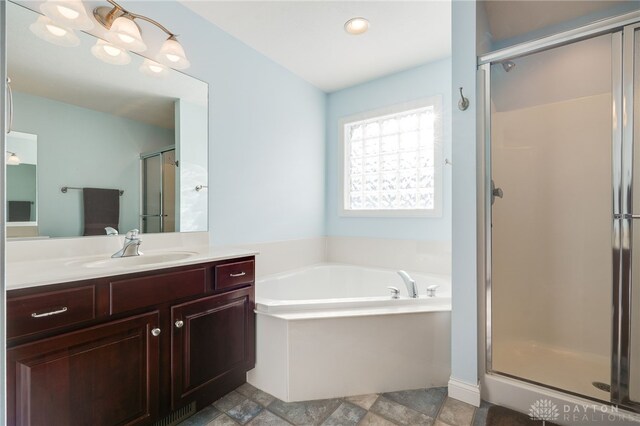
x: 143, y: 259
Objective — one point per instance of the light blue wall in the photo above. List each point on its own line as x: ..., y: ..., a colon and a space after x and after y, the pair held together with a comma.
x: 84, y: 148
x: 464, y: 304
x: 266, y: 135
x: 420, y: 82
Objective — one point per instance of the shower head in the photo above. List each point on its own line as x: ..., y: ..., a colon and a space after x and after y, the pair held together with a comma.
x: 508, y: 65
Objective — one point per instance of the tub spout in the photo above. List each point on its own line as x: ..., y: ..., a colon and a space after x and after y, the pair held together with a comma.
x: 410, y: 283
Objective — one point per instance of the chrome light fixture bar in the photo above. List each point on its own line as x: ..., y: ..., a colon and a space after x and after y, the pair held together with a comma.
x: 124, y: 32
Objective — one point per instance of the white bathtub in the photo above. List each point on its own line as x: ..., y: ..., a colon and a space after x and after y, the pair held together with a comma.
x: 333, y: 330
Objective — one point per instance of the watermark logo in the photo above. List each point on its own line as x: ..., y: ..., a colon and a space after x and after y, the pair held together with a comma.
x: 544, y: 409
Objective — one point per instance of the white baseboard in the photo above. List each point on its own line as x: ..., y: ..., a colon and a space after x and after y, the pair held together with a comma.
x: 464, y: 391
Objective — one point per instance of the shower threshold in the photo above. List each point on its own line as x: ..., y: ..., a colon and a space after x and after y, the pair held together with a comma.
x: 556, y: 367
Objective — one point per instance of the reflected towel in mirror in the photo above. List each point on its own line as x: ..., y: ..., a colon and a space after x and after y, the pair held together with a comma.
x: 101, y: 209
x: 19, y: 211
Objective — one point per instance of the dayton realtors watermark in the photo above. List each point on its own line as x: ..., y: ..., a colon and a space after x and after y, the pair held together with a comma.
x: 547, y: 411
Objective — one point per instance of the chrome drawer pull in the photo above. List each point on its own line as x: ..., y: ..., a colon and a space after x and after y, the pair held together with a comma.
x: 241, y: 274
x: 47, y: 314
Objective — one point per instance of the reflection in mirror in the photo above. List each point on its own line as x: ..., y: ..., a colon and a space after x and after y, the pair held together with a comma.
x: 96, y: 123
x: 22, y: 183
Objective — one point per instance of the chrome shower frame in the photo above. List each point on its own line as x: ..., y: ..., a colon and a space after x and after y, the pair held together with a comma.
x: 623, y: 29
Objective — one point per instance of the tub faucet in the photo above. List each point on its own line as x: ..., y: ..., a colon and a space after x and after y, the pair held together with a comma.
x: 412, y: 289
x: 131, y: 245
x: 111, y: 231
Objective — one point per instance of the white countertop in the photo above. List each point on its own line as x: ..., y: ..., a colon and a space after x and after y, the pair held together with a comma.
x: 44, y: 263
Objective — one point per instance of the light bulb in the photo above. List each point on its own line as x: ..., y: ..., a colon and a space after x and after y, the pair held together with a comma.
x: 12, y: 159
x: 68, y: 13
x: 172, y: 54
x: 56, y: 30
x: 125, y: 33
x: 111, y: 50
x: 54, y: 33
x: 153, y: 69
x: 109, y: 53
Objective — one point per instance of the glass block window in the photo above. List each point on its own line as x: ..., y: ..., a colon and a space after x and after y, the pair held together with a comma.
x: 390, y: 161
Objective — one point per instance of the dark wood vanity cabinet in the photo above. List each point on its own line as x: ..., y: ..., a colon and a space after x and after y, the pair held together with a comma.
x: 103, y: 375
x: 137, y: 354
x: 213, y: 338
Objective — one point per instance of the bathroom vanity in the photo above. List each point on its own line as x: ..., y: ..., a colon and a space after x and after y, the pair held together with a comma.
x: 130, y: 348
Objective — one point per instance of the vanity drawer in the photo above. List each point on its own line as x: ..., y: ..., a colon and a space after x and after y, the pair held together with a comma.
x: 134, y: 293
x: 234, y: 274
x: 45, y: 311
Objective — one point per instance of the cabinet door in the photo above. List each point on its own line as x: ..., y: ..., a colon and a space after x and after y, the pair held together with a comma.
x: 103, y: 375
x: 212, y: 346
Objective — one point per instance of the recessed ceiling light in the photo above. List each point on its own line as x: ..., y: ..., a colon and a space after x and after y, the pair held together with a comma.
x: 356, y: 26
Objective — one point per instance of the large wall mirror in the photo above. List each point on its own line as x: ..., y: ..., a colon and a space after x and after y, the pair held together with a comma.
x: 96, y: 143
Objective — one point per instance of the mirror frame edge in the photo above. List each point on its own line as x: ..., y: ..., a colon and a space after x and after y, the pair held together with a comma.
x: 3, y: 124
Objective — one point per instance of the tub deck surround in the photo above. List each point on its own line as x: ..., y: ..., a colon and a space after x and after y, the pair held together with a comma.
x: 332, y: 290
x: 336, y: 327
x: 45, y: 262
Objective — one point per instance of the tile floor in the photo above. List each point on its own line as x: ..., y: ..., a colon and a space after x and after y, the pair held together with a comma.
x: 250, y: 406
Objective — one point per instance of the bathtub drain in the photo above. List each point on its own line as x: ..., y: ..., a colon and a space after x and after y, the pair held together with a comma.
x: 602, y: 386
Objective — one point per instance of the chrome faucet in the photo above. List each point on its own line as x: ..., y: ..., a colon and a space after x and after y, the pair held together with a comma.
x: 412, y: 289
x: 131, y: 245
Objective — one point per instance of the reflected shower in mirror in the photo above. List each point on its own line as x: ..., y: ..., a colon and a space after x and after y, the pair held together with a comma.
x: 95, y: 122
x: 22, y: 183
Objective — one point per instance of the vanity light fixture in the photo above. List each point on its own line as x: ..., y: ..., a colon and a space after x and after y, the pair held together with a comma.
x: 153, y: 69
x: 125, y: 32
x: 172, y: 54
x: 110, y: 53
x: 356, y: 26
x: 67, y: 13
x: 54, y: 33
x: 12, y: 159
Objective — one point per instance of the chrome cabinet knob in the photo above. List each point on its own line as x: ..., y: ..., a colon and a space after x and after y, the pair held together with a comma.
x: 155, y: 332
x: 179, y: 324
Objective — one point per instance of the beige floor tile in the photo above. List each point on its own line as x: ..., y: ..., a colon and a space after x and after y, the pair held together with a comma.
x: 456, y: 413
x: 373, y: 420
x: 364, y: 401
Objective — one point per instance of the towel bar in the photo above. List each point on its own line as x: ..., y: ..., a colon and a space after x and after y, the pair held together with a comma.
x: 64, y: 189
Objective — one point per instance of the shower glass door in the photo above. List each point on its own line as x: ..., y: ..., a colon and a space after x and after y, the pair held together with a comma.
x: 159, y: 192
x: 552, y: 230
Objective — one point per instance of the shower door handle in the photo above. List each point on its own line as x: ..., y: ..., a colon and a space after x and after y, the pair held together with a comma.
x: 626, y: 216
x: 495, y: 192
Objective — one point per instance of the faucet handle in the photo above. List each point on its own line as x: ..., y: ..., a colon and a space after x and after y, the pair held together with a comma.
x: 133, y: 234
x: 431, y: 290
x: 395, y: 293
x: 111, y: 231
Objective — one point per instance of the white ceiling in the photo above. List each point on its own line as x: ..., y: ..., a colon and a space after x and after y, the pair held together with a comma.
x: 307, y: 37
x: 509, y: 19
x: 73, y: 75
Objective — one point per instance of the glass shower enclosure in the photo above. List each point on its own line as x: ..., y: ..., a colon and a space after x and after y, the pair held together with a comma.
x: 562, y: 181
x: 158, y: 191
